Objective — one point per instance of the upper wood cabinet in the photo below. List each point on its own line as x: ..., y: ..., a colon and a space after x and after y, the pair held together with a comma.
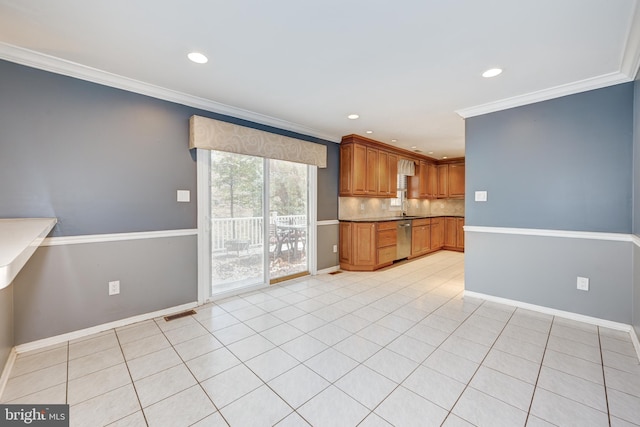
x: 369, y: 168
x: 367, y: 171
x: 387, y: 174
x: 443, y: 181
x: 456, y: 180
x: 423, y: 184
x: 451, y: 180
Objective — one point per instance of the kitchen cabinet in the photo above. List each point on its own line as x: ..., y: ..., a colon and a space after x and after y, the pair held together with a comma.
x: 363, y: 243
x: 423, y: 185
x: 456, y: 180
x: 454, y: 234
x: 420, y: 236
x: 345, y: 256
x: 460, y: 233
x: 443, y: 181
x: 451, y: 180
x: 366, y: 246
x: 437, y: 233
x: 386, y: 239
x: 367, y: 171
x: 387, y: 174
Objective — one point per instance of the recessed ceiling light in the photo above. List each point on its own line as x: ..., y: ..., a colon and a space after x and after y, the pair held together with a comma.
x: 197, y: 57
x: 492, y: 72
x: 353, y: 116
x: 430, y: 152
x: 369, y: 131
x: 444, y: 157
x: 414, y: 147
x: 394, y: 140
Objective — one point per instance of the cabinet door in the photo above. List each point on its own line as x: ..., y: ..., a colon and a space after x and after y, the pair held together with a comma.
x: 345, y: 255
x: 359, y: 170
x: 393, y: 175
x: 443, y: 181
x: 426, y: 238
x: 456, y: 180
x: 424, y: 179
x: 383, y: 173
x: 460, y: 233
x: 437, y: 234
x: 416, y: 241
x: 346, y: 170
x: 450, y: 232
x: 364, y: 243
x: 372, y: 172
x: 432, y: 181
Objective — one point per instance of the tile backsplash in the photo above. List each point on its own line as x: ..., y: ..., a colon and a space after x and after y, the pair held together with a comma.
x: 363, y: 207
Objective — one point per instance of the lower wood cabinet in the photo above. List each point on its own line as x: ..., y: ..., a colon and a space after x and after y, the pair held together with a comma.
x: 420, y: 236
x: 454, y: 234
x: 367, y: 246
x: 437, y: 233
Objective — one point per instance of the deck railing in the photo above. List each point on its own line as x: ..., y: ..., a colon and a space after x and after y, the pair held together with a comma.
x: 249, y: 229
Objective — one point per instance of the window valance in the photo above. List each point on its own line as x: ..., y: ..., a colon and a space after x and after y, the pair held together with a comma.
x: 406, y: 167
x: 211, y: 134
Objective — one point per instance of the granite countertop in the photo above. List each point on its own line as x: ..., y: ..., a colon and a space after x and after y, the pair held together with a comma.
x: 399, y: 218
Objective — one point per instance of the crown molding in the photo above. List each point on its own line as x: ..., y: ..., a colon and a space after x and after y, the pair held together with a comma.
x: 545, y: 94
x: 629, y: 65
x: 56, y: 65
x: 631, y: 58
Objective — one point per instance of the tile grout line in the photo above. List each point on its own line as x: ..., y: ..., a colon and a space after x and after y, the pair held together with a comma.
x: 535, y: 386
x: 184, y: 363
x: 604, y: 377
x: 135, y: 390
x: 468, y: 383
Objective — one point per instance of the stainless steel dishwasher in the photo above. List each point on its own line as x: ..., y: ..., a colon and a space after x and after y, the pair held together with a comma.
x: 403, y: 245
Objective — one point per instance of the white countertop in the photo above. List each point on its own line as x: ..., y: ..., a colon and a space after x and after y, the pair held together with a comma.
x: 19, y: 239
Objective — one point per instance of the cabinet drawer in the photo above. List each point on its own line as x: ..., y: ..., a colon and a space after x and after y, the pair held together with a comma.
x: 386, y: 255
x: 387, y: 225
x: 387, y: 238
x: 420, y: 222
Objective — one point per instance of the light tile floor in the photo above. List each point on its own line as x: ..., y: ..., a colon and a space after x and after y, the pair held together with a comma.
x: 396, y: 347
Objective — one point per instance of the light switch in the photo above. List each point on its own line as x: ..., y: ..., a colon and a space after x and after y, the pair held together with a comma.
x: 481, y: 196
x: 184, y: 196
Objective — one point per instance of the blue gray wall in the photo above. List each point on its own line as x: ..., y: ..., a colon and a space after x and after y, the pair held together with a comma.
x: 636, y: 208
x: 102, y: 160
x: 566, y: 165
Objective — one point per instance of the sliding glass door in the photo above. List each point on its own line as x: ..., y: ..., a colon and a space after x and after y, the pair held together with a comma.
x: 258, y: 221
x: 288, y: 219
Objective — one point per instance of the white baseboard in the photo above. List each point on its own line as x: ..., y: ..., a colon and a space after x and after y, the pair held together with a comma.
x: 6, y: 371
x: 564, y: 314
x: 636, y: 343
x: 328, y: 270
x: 36, y: 345
x: 552, y: 311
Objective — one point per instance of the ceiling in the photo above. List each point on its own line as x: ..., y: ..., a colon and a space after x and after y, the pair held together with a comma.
x: 411, y: 69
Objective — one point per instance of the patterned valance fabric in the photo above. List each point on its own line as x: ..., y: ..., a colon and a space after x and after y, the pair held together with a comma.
x: 406, y: 167
x: 210, y: 134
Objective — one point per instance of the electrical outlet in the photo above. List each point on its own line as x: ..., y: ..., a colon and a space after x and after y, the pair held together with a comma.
x: 583, y: 283
x: 335, y: 249
x: 362, y: 206
x: 114, y: 287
